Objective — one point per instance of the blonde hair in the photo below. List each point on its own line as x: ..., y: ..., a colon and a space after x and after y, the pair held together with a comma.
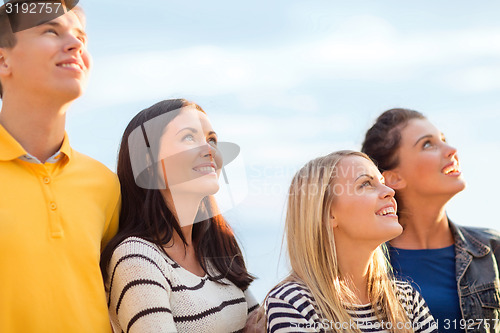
x: 311, y: 248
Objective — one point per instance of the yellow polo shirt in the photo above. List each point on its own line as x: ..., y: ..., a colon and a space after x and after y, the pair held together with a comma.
x: 55, y: 219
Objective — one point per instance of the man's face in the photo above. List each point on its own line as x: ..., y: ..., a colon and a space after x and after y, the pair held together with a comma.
x: 51, y: 59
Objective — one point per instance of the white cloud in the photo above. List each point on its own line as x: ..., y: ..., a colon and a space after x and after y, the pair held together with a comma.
x: 281, y: 139
x: 361, y: 48
x: 475, y: 79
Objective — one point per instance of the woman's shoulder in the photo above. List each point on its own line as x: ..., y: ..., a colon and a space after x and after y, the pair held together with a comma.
x: 140, y: 249
x: 135, y: 245
x: 290, y: 305
x: 291, y: 291
x: 406, y: 292
x: 404, y: 287
x: 415, y: 307
x: 412, y: 301
x: 483, y: 234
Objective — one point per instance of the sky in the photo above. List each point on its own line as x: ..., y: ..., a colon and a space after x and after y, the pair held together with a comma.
x: 292, y: 80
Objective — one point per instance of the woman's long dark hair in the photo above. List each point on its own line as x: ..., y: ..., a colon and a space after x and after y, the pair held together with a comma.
x: 144, y: 213
x: 383, y: 139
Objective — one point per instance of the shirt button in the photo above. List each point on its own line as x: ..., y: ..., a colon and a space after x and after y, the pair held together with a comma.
x: 53, y: 206
x: 46, y: 180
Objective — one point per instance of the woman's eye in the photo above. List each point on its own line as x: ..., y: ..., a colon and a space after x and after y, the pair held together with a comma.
x: 188, y: 137
x: 366, y: 183
x: 212, y: 141
x: 427, y: 144
x: 51, y: 31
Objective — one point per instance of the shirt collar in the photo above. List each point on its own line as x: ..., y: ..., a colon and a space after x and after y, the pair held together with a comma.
x: 468, y: 242
x: 32, y: 159
x: 10, y: 149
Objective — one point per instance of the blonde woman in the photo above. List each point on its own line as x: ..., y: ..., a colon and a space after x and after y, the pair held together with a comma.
x: 339, y: 213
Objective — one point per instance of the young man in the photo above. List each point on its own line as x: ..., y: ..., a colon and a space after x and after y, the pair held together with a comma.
x: 57, y: 207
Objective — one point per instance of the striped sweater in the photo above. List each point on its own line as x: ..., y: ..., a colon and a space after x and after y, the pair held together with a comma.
x: 149, y: 292
x: 290, y: 307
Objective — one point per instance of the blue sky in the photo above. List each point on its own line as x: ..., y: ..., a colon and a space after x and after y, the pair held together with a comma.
x: 291, y: 80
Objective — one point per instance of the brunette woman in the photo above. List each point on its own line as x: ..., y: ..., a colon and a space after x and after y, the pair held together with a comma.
x: 455, y: 267
x: 174, y: 265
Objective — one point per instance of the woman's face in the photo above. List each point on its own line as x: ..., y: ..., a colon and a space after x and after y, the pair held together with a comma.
x: 427, y: 164
x: 363, y: 208
x: 190, y: 161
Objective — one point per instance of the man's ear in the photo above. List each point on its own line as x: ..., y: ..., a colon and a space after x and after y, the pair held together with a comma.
x: 4, y: 62
x: 394, y: 180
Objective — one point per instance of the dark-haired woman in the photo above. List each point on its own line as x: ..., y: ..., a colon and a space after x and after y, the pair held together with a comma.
x: 174, y: 265
x: 455, y: 267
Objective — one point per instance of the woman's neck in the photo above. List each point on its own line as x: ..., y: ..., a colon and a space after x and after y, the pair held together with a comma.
x: 185, y: 208
x: 425, y: 225
x: 354, y: 263
x: 184, y: 254
x: 187, y: 233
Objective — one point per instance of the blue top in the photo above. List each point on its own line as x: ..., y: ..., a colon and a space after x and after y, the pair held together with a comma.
x: 432, y: 272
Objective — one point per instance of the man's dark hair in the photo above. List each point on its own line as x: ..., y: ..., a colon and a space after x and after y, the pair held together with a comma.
x: 7, y: 37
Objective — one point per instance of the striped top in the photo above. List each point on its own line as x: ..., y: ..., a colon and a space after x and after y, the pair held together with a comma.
x: 290, y: 307
x: 150, y: 292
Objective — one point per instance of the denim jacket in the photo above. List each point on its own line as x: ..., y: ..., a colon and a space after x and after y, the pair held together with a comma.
x: 477, y: 256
